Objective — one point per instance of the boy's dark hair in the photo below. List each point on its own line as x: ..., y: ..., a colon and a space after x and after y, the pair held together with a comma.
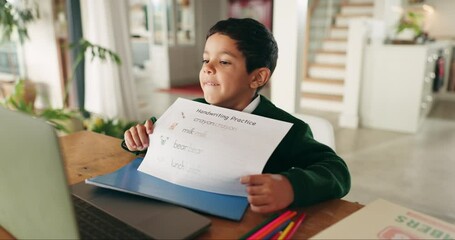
x: 253, y: 39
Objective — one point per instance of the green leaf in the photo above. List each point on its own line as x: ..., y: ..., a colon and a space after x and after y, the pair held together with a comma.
x: 13, y: 19
x: 58, y: 126
x: 411, y: 20
x: 56, y: 114
x: 110, y: 127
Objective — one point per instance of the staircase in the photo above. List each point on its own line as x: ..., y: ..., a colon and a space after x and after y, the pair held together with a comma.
x: 322, y: 87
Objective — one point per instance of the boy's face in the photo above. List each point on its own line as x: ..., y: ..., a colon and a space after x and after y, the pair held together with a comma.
x: 223, y: 75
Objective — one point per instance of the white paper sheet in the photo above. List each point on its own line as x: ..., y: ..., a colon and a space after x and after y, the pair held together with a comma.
x: 209, y: 148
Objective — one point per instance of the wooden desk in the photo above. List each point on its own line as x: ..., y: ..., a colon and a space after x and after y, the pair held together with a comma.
x: 89, y: 154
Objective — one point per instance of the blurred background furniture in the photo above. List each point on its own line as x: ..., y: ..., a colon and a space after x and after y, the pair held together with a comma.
x: 322, y: 129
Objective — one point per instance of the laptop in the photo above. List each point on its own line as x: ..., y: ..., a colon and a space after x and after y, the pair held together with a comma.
x: 37, y: 203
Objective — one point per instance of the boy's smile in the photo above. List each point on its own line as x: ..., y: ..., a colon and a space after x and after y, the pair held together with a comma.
x: 223, y: 76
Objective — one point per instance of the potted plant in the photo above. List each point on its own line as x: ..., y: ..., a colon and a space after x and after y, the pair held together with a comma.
x: 13, y: 24
x: 14, y: 19
x: 19, y: 101
x: 409, y: 27
x: 64, y: 119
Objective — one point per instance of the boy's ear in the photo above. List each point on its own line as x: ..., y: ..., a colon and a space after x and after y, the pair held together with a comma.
x: 260, y: 77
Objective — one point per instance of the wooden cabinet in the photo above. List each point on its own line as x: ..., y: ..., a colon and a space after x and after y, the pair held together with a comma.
x: 397, y: 88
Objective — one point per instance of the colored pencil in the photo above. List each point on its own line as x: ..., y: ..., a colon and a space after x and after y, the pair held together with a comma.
x: 259, y: 226
x: 275, y: 237
x: 294, y: 228
x: 286, y: 230
x: 272, y: 225
x: 276, y: 230
x: 263, y: 228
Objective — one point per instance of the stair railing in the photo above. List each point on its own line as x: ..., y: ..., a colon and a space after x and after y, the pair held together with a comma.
x: 306, y: 50
x: 329, y: 17
x: 332, y: 8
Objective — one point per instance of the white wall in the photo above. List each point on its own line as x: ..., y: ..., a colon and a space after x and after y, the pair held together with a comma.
x: 41, y: 58
x: 288, y: 23
x: 443, y: 18
x: 391, y: 15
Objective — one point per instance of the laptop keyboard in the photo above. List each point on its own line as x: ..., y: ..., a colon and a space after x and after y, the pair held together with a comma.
x: 96, y: 224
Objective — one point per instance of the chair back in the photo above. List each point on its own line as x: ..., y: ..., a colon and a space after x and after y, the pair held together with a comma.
x: 322, y: 129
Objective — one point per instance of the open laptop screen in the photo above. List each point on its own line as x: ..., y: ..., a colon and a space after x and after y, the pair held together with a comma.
x: 35, y: 200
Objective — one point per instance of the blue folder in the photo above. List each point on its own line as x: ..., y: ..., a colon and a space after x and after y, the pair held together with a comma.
x: 129, y: 179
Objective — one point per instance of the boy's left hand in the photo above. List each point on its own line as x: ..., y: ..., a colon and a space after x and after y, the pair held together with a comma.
x: 268, y: 192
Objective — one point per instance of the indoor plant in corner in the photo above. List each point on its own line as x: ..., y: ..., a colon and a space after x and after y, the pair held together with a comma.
x: 409, y: 28
x: 20, y: 101
x: 99, y: 124
x: 14, y: 17
x: 66, y: 120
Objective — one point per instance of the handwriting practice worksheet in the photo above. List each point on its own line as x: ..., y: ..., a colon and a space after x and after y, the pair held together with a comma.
x: 209, y: 148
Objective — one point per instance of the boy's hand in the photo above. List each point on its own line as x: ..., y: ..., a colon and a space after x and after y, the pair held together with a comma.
x: 137, y: 137
x: 268, y: 192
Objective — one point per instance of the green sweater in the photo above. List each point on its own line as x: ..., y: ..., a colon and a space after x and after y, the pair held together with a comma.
x: 315, y: 171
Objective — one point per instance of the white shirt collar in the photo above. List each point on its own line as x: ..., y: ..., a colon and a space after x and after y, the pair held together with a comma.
x: 253, y: 104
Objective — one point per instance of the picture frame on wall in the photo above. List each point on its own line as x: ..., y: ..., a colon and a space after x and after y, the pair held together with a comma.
x: 260, y: 10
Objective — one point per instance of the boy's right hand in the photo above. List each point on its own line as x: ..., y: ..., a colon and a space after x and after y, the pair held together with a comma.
x: 137, y: 137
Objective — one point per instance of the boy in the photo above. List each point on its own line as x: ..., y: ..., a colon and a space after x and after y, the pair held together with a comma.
x: 238, y: 60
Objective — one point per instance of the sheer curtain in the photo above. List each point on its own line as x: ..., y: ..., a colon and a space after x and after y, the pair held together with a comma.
x: 109, y: 88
